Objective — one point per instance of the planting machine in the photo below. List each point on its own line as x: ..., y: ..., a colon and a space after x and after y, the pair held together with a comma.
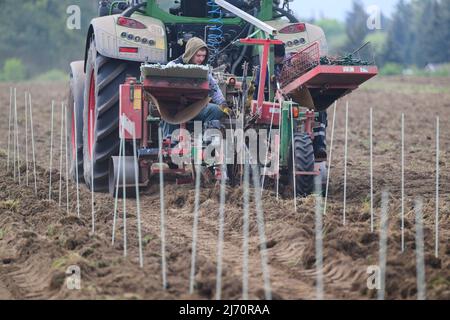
x: 122, y: 90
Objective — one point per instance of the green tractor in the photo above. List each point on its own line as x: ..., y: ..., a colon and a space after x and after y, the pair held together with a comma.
x: 129, y: 33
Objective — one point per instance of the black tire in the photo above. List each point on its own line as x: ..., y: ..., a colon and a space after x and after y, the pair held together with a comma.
x: 76, y: 97
x: 106, y: 75
x: 304, y: 162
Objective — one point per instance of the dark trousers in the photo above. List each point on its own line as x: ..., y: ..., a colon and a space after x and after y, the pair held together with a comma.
x: 209, y: 113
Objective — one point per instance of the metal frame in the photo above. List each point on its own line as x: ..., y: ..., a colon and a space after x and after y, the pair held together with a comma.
x: 266, y: 43
x: 249, y: 18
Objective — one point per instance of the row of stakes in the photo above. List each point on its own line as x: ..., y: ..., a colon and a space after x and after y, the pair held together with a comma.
x: 321, y: 204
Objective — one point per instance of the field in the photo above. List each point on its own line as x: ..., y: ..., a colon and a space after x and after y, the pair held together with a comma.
x: 39, y: 239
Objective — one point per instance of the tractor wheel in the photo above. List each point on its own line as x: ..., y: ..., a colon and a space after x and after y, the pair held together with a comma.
x: 101, y: 114
x: 304, y: 162
x: 116, y: 176
x: 74, y: 119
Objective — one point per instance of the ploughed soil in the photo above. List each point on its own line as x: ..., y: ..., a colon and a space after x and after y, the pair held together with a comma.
x: 40, y: 238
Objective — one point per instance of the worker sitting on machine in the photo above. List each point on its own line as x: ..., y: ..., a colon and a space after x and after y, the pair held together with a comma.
x: 196, y: 52
x: 320, y: 142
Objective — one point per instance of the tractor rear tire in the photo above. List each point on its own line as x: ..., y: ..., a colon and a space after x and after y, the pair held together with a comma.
x: 101, y: 102
x: 74, y: 119
x: 304, y: 162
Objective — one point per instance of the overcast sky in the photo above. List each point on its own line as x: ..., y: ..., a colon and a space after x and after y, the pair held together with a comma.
x: 336, y: 8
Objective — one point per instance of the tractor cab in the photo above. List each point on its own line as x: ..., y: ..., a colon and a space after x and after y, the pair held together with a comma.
x: 193, y: 8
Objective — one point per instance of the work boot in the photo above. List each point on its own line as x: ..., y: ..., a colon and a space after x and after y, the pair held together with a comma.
x: 320, y: 142
x: 320, y: 146
x: 320, y: 154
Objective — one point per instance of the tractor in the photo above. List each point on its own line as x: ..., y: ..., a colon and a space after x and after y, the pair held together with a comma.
x: 122, y: 80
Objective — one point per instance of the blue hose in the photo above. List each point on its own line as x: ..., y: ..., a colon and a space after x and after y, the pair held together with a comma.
x: 215, y: 28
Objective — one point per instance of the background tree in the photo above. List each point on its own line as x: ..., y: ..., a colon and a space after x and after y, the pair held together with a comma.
x: 400, y: 36
x: 428, y: 46
x: 356, y: 26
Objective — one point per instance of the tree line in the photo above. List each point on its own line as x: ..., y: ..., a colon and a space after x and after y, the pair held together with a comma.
x: 35, y: 38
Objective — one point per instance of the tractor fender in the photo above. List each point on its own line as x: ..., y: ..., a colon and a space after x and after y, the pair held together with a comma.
x: 109, y: 37
x: 77, y: 77
x: 297, y: 41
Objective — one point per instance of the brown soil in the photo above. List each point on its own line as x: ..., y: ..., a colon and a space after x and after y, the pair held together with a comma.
x: 39, y: 240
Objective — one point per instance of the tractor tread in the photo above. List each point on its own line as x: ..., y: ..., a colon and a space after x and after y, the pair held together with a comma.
x: 304, y: 161
x: 109, y: 75
x: 104, y: 83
